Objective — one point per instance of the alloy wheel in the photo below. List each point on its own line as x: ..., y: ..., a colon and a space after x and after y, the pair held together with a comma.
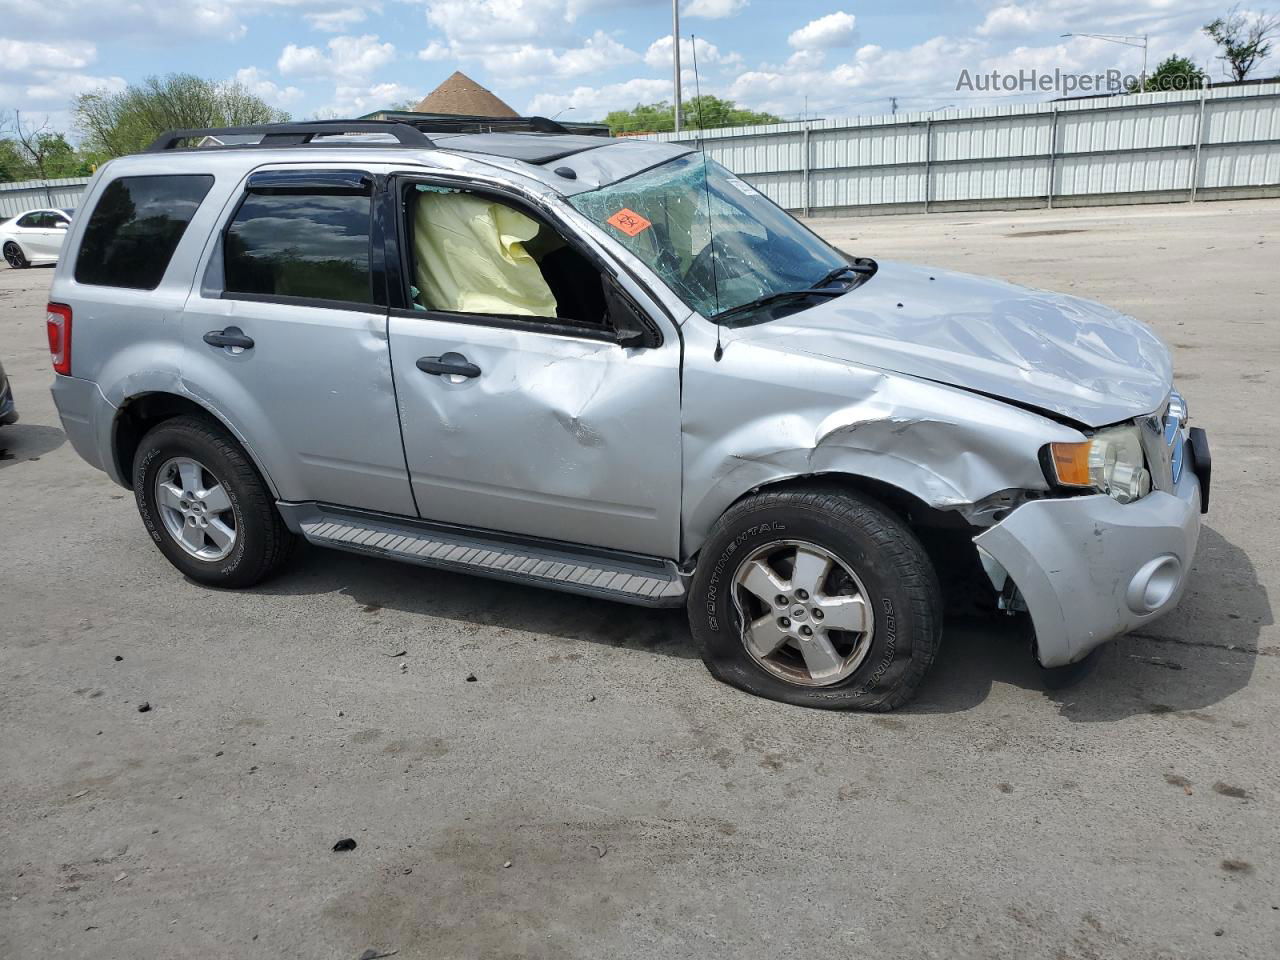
x: 13, y: 256
x: 195, y: 509
x: 805, y: 615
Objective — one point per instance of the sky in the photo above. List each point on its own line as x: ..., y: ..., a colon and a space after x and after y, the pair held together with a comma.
x: 580, y: 58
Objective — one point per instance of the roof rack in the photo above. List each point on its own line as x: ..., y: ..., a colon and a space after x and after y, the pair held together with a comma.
x: 296, y: 134
x: 466, y: 123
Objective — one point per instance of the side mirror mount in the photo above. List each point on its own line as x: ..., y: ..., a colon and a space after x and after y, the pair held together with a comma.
x: 632, y: 327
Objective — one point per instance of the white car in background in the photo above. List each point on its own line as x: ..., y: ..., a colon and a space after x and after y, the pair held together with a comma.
x: 34, y: 237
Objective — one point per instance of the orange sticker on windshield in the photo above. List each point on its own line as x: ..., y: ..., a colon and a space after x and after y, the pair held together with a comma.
x: 629, y: 222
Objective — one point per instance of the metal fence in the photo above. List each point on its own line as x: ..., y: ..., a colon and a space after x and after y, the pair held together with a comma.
x: 16, y: 198
x: 1181, y: 145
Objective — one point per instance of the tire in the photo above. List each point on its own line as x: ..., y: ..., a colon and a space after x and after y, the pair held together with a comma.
x: 260, y: 542
x: 14, y: 256
x: 870, y: 552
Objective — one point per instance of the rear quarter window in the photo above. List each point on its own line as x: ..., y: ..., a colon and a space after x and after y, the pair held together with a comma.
x: 135, y: 227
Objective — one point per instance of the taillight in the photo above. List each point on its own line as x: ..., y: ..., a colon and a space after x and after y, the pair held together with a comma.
x: 58, y: 323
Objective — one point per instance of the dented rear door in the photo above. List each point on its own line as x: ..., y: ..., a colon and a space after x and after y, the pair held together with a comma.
x: 552, y: 435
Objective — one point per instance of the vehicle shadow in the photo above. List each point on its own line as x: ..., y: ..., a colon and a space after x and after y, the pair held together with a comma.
x: 1196, y: 656
x: 1201, y: 653
x: 20, y: 442
x: 386, y: 584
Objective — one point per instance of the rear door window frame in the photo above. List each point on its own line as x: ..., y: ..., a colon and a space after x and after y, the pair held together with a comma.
x: 295, y: 181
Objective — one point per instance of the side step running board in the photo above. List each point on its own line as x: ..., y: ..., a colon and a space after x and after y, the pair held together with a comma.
x: 586, y: 570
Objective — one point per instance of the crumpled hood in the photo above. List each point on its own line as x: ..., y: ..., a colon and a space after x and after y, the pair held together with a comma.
x: 1059, y: 353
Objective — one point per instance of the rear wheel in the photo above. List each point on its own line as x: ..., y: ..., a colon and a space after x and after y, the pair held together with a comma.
x: 205, y: 505
x: 816, y: 598
x: 14, y: 256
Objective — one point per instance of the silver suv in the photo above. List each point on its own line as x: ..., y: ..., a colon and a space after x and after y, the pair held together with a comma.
x: 611, y: 367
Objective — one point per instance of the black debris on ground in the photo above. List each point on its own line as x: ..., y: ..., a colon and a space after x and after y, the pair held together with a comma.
x: 343, y: 845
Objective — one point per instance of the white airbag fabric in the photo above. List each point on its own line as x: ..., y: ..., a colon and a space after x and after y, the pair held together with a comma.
x: 471, y: 258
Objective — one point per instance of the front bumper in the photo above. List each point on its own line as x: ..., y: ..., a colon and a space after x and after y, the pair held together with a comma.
x: 1091, y: 568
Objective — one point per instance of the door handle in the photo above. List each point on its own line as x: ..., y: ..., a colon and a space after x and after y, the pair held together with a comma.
x: 448, y: 365
x: 230, y: 337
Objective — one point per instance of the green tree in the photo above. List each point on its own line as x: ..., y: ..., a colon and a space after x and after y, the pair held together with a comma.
x: 13, y: 164
x: 114, y: 124
x: 705, y: 112
x: 34, y: 152
x: 1173, y: 73
x: 1243, y: 38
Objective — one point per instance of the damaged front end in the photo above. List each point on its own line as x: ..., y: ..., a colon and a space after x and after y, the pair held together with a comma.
x: 1089, y: 568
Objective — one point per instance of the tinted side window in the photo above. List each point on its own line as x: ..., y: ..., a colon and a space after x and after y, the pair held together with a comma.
x: 301, y: 244
x: 135, y: 227
x: 30, y: 220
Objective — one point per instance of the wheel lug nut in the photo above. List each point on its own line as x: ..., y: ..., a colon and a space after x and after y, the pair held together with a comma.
x: 784, y: 623
x: 780, y: 600
x: 818, y: 614
x: 806, y: 632
x: 802, y: 594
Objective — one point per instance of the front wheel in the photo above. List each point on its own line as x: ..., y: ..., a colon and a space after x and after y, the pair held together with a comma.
x: 816, y: 598
x: 14, y: 256
x: 205, y: 505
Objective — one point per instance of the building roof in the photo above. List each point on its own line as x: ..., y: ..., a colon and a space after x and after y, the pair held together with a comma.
x: 459, y: 94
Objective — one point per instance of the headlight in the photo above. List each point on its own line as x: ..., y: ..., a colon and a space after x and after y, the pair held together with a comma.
x: 1110, y: 463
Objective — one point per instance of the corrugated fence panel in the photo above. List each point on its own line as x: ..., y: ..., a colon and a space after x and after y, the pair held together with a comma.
x: 1121, y: 173
x: 1117, y: 130
x: 1228, y: 121
x: 747, y: 155
x: 16, y: 198
x: 865, y: 187
x: 1239, y: 166
x: 990, y: 179
x: 784, y: 189
x: 1103, y: 146
x: 867, y: 146
x: 982, y: 139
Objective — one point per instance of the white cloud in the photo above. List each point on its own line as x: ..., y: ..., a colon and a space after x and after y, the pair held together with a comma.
x: 658, y: 55
x: 489, y: 23
x: 592, y: 103
x: 335, y: 21
x: 596, y: 53
x: 355, y: 99
x: 833, y: 30
x: 348, y: 58
x: 17, y: 55
x: 435, y: 51
x: 259, y: 84
x: 44, y: 77
x: 713, y: 9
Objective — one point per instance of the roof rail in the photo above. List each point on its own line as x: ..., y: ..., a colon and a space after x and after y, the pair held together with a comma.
x: 464, y: 123
x: 295, y: 134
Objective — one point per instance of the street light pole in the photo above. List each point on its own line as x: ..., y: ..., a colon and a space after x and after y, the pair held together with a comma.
x: 675, y: 53
x: 1123, y: 40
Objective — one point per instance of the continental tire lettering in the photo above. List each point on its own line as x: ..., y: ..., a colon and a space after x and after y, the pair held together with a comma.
x: 712, y: 599
x: 890, y: 646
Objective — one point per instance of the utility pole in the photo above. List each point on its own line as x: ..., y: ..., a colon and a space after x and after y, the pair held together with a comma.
x: 893, y: 101
x: 675, y: 53
x: 1125, y: 40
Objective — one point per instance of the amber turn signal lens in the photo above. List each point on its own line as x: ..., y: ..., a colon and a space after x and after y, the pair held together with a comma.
x: 1071, y: 463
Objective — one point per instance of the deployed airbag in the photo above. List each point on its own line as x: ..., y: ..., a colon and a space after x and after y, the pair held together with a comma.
x: 470, y: 257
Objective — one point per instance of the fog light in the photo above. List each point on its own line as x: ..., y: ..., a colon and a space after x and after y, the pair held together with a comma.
x: 1154, y: 584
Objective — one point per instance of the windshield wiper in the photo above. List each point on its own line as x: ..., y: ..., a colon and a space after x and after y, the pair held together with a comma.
x: 772, y: 298
x: 835, y: 275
